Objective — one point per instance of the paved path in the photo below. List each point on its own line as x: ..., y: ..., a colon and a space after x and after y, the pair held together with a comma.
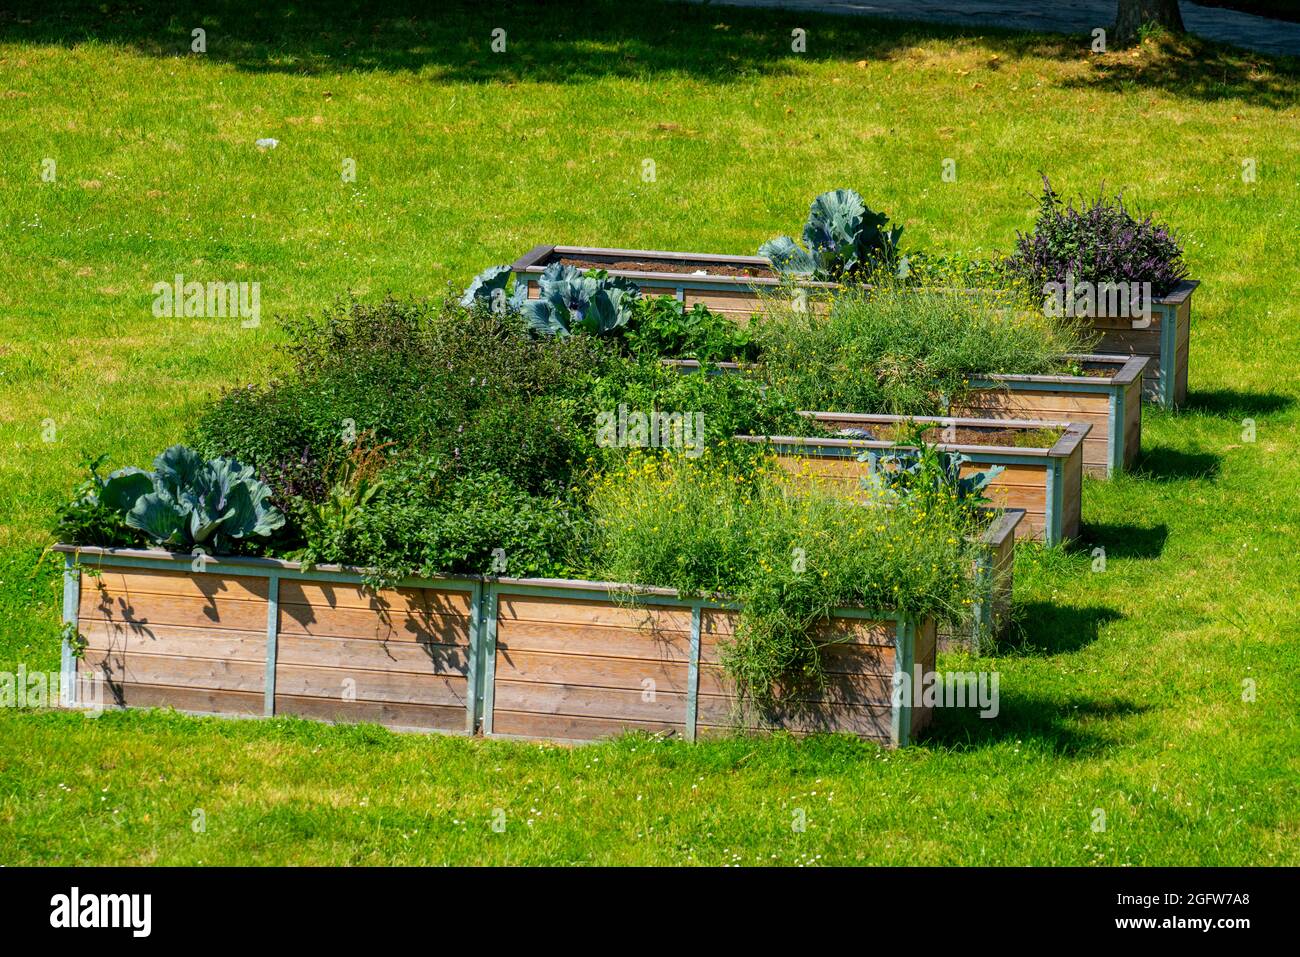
x: 1076, y: 16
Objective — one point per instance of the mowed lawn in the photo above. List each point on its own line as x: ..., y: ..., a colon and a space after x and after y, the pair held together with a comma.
x: 1123, y: 688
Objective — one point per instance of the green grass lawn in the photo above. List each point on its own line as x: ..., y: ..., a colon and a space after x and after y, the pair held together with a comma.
x: 1123, y: 689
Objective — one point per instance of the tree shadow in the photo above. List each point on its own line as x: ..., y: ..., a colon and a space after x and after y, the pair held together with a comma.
x: 1235, y: 404
x: 1163, y: 464
x: 563, y: 43
x: 1124, y: 540
x: 1073, y: 727
x: 1043, y: 628
x: 1200, y: 69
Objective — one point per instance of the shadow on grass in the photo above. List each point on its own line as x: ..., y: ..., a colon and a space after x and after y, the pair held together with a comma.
x: 1234, y: 404
x: 1163, y: 464
x: 1044, y: 628
x: 1071, y: 727
x: 1122, y: 540
x: 558, y: 42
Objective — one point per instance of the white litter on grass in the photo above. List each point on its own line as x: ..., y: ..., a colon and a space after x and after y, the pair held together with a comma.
x: 267, y: 144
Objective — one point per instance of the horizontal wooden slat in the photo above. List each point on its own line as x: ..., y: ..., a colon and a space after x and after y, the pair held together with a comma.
x: 144, y: 581
x: 580, y: 701
x: 590, y: 670
x: 340, y: 683
x: 174, y: 640
x: 396, y: 602
x: 574, y: 728
x: 148, y: 669
x: 390, y: 713
x: 592, y: 640
x: 413, y: 626
x: 206, y: 700
x: 143, y: 610
x: 406, y: 657
x: 647, y: 619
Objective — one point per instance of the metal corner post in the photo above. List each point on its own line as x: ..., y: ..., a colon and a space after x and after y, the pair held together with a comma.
x: 71, y: 615
x: 272, y: 640
x: 693, y: 676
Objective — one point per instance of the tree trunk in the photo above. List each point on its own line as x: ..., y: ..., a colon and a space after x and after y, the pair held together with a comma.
x: 1134, y: 14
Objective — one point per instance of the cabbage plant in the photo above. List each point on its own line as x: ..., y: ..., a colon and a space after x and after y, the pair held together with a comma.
x: 186, y: 501
x: 573, y: 301
x: 489, y: 287
x: 842, y: 239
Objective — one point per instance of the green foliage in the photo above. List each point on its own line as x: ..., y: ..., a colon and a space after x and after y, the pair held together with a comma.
x: 662, y: 328
x: 898, y: 350
x: 573, y: 301
x: 842, y: 240
x: 489, y: 289
x: 789, y: 552
x: 915, y: 470
x: 92, y: 517
x: 185, y: 502
x: 425, y: 518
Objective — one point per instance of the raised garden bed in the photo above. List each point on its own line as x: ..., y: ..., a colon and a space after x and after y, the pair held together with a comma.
x: 1107, y: 396
x: 1165, y: 339
x: 534, y: 658
x: 991, y: 613
x: 1045, y: 481
x: 732, y: 286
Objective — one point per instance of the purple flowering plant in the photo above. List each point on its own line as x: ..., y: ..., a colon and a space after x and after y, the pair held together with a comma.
x: 1097, y: 243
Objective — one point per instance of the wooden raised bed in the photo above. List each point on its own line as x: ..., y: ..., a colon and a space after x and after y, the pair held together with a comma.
x: 1046, y: 482
x: 732, y: 286
x: 994, y: 570
x: 533, y: 658
x: 1165, y: 340
x: 1110, y: 403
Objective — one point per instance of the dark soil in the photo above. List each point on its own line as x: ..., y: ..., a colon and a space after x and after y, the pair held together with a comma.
x: 969, y: 435
x: 669, y: 266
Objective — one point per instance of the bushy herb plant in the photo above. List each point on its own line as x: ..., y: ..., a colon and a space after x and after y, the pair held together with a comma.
x: 789, y: 551
x: 1101, y: 241
x: 893, y: 349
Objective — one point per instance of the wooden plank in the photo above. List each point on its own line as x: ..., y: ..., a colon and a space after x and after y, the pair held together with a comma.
x: 405, y: 657
x: 574, y: 728
x: 870, y: 722
x: 175, y: 671
x: 143, y: 610
x: 614, y: 704
x: 859, y: 690
x: 422, y: 626
x: 390, y: 713
x: 591, y: 671
x: 174, y: 640
x: 360, y: 685
x: 1072, y: 495
x: 592, y: 640
x: 396, y: 602
x: 181, y: 584
x: 207, y: 700
x: 648, y: 620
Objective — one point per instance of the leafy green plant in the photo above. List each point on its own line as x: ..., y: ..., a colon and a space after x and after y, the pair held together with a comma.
x: 917, y: 469
x: 489, y: 289
x: 187, y: 501
x: 573, y: 301
x: 326, y: 525
x: 94, y: 515
x: 789, y: 552
x: 842, y: 240
x: 662, y: 327
x: 894, y: 349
